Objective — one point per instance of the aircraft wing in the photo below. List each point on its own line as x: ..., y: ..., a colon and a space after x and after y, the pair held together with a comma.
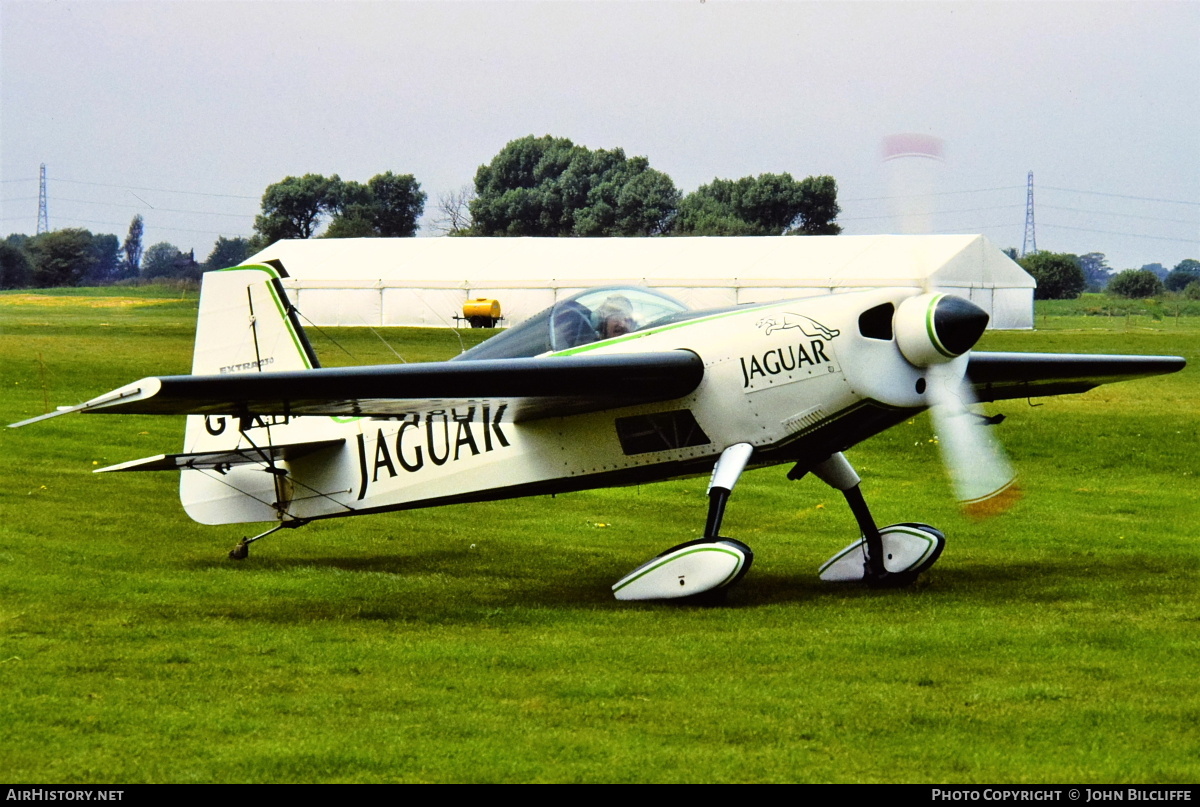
x: 518, y: 389
x: 996, y: 376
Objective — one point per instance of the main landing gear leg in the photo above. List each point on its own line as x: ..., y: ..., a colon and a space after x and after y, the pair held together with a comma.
x: 242, y: 550
x: 703, y: 570
x: 891, y: 557
x: 725, y: 475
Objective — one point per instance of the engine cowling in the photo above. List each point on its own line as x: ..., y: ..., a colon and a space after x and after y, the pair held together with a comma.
x: 937, y: 328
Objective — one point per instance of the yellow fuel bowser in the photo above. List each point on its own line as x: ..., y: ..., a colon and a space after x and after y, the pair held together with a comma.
x: 482, y: 312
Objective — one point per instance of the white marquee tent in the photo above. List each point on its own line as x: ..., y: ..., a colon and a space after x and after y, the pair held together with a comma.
x: 425, y: 281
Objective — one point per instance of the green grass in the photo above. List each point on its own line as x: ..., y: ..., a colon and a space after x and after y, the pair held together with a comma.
x: 1057, y: 643
x: 1166, y: 307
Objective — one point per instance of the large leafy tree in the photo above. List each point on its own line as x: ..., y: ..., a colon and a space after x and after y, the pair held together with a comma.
x: 352, y: 221
x: 1135, y: 284
x: 1184, y: 274
x: 62, y: 257
x: 519, y: 193
x: 769, y: 204
x: 16, y: 270
x: 296, y: 206
x: 106, y: 249
x: 1158, y: 269
x: 1095, y: 270
x: 397, y: 203
x: 160, y: 261
x: 548, y: 186
x: 818, y: 207
x: 1058, y: 274
x: 388, y: 206
x: 227, y: 252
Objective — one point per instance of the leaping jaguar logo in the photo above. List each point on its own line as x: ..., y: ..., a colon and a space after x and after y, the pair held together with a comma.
x: 807, y: 325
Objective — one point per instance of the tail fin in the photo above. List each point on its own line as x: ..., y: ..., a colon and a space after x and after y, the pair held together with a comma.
x: 247, y: 324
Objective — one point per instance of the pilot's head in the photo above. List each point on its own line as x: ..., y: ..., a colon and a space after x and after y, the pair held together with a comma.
x: 615, y: 317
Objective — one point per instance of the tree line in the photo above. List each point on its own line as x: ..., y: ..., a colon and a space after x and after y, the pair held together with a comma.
x: 1064, y: 276
x: 77, y: 257
x: 549, y: 186
x: 535, y: 186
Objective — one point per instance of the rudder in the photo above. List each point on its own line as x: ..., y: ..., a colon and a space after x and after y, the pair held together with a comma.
x: 247, y: 324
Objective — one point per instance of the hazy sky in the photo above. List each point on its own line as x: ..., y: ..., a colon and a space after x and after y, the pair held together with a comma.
x: 185, y: 111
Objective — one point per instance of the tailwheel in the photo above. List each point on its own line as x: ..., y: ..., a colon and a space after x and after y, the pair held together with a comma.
x: 242, y: 550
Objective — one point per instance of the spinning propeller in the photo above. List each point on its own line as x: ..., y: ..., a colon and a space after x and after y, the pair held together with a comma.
x: 935, y: 331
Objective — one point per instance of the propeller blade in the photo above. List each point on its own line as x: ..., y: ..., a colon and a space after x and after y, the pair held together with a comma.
x: 983, y: 479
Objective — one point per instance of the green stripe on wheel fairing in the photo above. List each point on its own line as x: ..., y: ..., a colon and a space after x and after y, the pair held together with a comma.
x: 736, y: 556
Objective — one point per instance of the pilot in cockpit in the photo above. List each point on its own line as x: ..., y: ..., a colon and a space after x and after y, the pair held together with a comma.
x: 614, y: 317
x: 581, y: 319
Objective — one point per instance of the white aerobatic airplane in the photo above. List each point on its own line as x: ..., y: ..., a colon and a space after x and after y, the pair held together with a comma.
x: 609, y: 387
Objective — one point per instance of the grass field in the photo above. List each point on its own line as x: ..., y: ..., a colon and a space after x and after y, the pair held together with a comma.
x: 1057, y: 643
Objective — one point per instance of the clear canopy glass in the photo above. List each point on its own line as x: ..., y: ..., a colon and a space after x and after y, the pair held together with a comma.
x: 581, y: 319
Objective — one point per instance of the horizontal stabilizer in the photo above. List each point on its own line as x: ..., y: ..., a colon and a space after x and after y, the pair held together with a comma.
x: 139, y: 390
x: 529, y: 388
x: 221, y: 461
x: 997, y: 376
